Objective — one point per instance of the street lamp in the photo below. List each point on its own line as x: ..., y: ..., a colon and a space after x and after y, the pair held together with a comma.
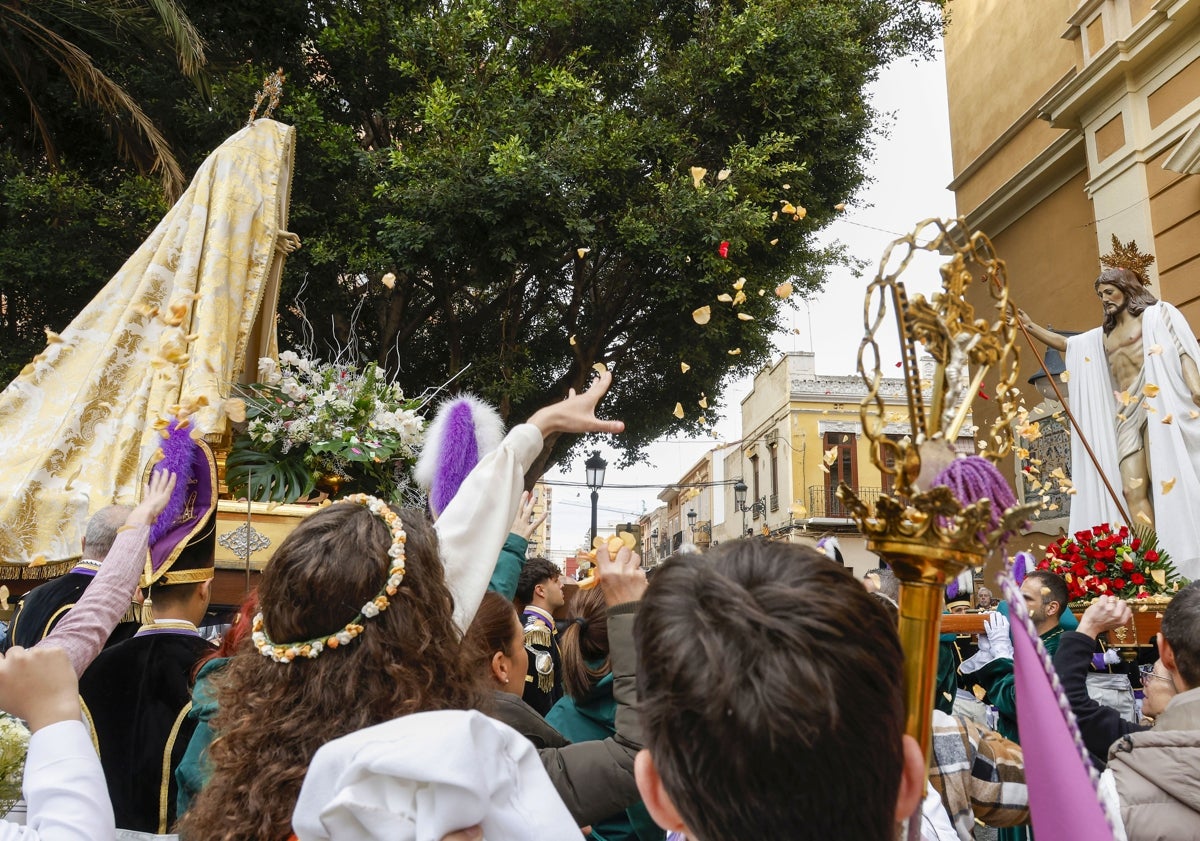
x: 739, y: 500
x: 654, y: 546
x: 692, y: 523
x: 594, y: 469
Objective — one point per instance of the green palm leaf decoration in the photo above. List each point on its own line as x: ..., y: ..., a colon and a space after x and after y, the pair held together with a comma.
x: 266, y: 476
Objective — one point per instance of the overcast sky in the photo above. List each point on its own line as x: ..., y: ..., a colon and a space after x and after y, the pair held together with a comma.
x: 910, y: 172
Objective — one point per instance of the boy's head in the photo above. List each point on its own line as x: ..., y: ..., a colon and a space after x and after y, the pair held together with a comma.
x: 539, y: 584
x: 771, y: 692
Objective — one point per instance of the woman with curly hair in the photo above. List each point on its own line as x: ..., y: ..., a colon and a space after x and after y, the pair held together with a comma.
x: 360, y: 622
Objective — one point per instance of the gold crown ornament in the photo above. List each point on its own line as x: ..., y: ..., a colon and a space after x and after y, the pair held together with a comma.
x: 1128, y: 256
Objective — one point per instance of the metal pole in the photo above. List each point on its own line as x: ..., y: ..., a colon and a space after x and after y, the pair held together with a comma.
x: 595, y: 503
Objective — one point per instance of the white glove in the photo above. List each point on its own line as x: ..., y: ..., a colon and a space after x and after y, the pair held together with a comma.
x: 980, y: 658
x: 1112, y: 656
x: 998, y: 636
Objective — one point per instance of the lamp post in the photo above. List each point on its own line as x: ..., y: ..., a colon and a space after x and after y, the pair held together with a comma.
x: 594, y: 468
x: 654, y: 547
x: 692, y: 523
x: 739, y: 500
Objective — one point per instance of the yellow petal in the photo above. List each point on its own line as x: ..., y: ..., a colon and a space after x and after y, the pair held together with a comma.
x: 1123, y: 397
x: 722, y: 175
x: 725, y: 297
x: 1065, y: 376
x: 1168, y: 419
x: 598, y: 541
x: 739, y: 283
x: 572, y: 340
x: 678, y: 410
x: 37, y: 561
x: 775, y: 242
x: 744, y: 316
x: 698, y: 173
x: 627, y: 539
x: 235, y: 409
x: 1087, y: 359
x: 388, y: 280
x: 1142, y: 517
x: 582, y: 252
x: 600, y: 368
x: 703, y: 421
x: 1150, y: 390
x: 774, y: 215
x: 1155, y: 350
x: 1159, y: 576
x: 739, y: 297
x: 830, y: 455
x: 787, y: 207
x: 800, y: 213
x: 703, y: 401
x: 684, y: 367
x: 787, y: 186
x: 1193, y: 414
x: 735, y: 351
x: 1167, y: 486
x: 840, y: 206
x: 702, y: 315
x: 785, y: 289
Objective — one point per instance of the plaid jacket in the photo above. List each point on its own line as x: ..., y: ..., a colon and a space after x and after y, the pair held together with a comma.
x: 979, y: 775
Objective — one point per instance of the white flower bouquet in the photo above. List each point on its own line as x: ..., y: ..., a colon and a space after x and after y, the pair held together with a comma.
x: 14, y: 745
x: 310, y: 417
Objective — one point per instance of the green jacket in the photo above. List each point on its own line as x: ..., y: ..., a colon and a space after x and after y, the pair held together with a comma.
x: 194, y: 769
x: 997, y: 678
x: 508, y: 566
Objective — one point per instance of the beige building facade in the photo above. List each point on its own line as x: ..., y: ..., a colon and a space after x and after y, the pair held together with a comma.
x: 1070, y: 122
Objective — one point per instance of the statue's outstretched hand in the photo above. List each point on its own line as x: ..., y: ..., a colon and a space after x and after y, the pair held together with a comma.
x: 287, y: 242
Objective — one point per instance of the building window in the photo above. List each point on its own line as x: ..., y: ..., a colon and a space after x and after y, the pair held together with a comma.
x: 774, y: 477
x: 844, y: 467
x: 754, y: 486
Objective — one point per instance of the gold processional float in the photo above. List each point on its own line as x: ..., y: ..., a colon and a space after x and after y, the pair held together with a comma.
x: 925, y: 533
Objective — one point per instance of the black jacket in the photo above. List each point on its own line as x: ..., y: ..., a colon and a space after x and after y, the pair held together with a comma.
x: 1099, y: 725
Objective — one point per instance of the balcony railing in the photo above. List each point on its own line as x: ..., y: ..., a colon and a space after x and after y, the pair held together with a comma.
x: 822, y: 501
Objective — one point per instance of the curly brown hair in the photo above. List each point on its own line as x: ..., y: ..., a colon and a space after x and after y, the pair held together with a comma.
x: 274, y: 716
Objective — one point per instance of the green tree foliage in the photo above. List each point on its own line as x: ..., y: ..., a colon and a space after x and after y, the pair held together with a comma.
x: 525, y: 170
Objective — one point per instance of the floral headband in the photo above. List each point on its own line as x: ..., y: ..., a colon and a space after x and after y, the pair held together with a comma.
x: 289, y: 651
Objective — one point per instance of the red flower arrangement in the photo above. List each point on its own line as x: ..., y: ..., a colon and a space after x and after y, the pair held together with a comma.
x: 1102, y: 561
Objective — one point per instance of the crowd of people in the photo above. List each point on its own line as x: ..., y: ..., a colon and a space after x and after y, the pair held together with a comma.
x: 395, y: 676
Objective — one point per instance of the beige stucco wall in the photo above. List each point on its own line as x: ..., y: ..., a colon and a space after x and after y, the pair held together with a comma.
x: 1001, y: 57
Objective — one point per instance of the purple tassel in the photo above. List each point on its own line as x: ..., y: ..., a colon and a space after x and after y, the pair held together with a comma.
x: 456, y: 461
x: 179, y: 457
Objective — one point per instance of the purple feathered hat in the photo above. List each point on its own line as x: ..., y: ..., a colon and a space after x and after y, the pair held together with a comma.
x: 464, y: 430
x: 183, y: 538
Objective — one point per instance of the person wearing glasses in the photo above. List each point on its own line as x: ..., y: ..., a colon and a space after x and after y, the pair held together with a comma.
x: 1099, y: 725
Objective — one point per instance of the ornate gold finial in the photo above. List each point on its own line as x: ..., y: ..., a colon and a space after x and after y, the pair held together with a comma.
x: 272, y: 90
x: 1128, y: 256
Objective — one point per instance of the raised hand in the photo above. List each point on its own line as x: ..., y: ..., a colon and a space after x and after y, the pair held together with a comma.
x: 39, y: 686
x: 578, y: 412
x: 1104, y: 614
x: 158, y: 493
x: 526, y: 523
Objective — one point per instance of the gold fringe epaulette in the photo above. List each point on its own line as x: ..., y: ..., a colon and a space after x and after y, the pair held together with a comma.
x: 538, y: 634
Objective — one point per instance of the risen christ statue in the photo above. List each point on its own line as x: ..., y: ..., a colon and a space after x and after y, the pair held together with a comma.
x: 1135, y: 390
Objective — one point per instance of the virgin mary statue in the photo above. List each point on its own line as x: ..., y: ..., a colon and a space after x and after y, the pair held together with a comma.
x: 189, y: 314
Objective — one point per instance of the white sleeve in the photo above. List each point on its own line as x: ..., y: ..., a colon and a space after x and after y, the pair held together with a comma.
x: 64, y: 789
x: 472, y: 528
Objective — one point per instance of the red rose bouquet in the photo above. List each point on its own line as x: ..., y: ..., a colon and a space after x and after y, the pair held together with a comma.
x: 1103, y: 561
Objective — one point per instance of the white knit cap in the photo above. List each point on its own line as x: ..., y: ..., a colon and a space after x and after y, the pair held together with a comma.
x: 423, y: 776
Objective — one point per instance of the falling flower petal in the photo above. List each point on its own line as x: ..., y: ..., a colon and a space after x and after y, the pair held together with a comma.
x: 572, y: 340
x: 1193, y: 414
x: 723, y: 249
x: 684, y: 367
x: 787, y: 207
x: 1065, y: 376
x: 703, y: 401
x: 678, y: 410
x: 582, y: 252
x: 735, y: 351
x: 1155, y: 350
x: 703, y: 421
x: 1150, y: 390
x: 600, y: 368
x: 1167, y: 486
x: 388, y: 280
x: 687, y: 259
x: 785, y: 289
x: 774, y: 215
x: 37, y: 561
x: 745, y: 316
x: 1122, y: 397
x: 739, y: 297
x: 787, y: 186
x: 1087, y: 359
x: 840, y: 206
x: 1168, y: 419
x: 830, y: 455
x: 775, y: 242
x: 800, y: 213
x: 739, y: 283
x: 702, y: 315
x: 725, y: 298
x: 698, y: 173
x: 722, y: 175
x: 1159, y: 576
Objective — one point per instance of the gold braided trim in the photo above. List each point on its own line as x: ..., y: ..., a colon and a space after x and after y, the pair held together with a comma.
x: 545, y: 682
x: 185, y: 576
x: 167, y: 774
x: 41, y: 572
x: 537, y: 635
x: 53, y: 617
x: 91, y: 725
